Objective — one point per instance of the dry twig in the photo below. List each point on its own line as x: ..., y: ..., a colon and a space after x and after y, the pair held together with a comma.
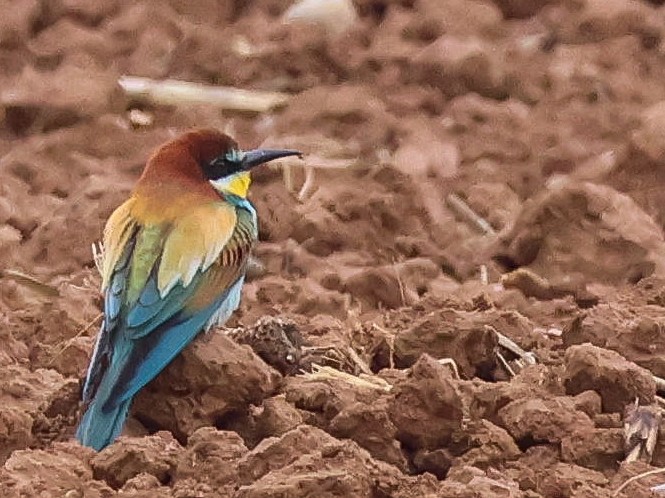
x: 307, y: 187
x: 505, y: 364
x: 173, y: 92
x: 528, y: 357
x: 363, y: 367
x: 638, y: 477
x: 98, y: 255
x: 464, y: 211
x: 451, y: 363
x: 30, y: 282
x: 87, y: 327
x: 370, y: 381
x: 484, y: 275
x: 345, y: 359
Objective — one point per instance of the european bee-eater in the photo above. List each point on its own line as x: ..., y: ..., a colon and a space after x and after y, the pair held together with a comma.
x: 174, y: 264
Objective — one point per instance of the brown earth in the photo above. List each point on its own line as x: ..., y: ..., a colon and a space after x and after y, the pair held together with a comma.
x: 546, y: 117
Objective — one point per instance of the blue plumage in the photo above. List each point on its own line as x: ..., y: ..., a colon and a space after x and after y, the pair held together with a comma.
x: 136, y: 355
x: 98, y: 429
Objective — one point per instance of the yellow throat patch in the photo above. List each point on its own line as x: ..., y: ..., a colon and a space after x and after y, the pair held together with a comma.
x: 236, y: 184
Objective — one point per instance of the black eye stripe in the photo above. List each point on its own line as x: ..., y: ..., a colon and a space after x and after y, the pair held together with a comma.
x: 223, y: 166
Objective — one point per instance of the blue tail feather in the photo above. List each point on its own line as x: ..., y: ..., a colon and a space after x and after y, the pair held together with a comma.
x: 99, y: 428
x: 135, y: 361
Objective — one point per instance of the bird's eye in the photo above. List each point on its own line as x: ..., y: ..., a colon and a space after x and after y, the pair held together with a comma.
x: 234, y: 156
x: 228, y: 163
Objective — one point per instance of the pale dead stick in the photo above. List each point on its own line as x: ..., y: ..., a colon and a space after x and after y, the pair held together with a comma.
x: 364, y: 368
x: 320, y: 372
x: 511, y: 346
x: 87, y: 327
x: 347, y: 354
x: 637, y: 477
x: 308, y: 186
x: 31, y: 282
x: 505, y: 364
x: 451, y: 363
x: 174, y: 92
x: 484, y: 275
x: 464, y: 211
x: 400, y: 284
x: 660, y: 383
x: 98, y: 255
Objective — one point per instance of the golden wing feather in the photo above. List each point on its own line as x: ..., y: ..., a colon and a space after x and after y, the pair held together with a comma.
x: 195, y: 243
x: 117, y: 232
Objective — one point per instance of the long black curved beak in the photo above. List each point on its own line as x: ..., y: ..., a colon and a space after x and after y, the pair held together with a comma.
x: 255, y: 157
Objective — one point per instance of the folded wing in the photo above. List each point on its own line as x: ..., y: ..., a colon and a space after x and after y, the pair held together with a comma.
x: 163, y: 284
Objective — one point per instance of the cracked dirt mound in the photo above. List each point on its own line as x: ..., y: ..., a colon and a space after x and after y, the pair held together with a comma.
x: 545, y: 118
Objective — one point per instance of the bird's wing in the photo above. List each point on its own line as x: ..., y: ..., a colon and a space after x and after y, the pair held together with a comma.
x: 165, y: 284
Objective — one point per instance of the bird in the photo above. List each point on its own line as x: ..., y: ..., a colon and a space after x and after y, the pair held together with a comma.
x: 174, y: 262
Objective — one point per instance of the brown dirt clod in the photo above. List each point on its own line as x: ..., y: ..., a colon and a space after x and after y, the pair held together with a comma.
x: 618, y: 381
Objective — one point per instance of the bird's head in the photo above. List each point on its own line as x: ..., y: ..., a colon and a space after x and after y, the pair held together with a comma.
x: 226, y: 166
x: 205, y: 157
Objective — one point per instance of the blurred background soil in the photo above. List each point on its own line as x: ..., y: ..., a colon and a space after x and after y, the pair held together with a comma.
x: 545, y: 118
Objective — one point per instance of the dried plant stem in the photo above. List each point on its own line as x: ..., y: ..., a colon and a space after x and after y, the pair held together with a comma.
x: 307, y: 187
x: 660, y: 383
x: 464, y: 211
x: 87, y: 327
x: 173, y: 92
x: 507, y: 343
x: 30, y: 282
x: 638, y: 477
x: 451, y: 363
x: 370, y: 381
x: 505, y: 364
x: 484, y: 275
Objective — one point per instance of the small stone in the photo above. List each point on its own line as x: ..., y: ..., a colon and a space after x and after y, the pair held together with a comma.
x: 597, y: 449
x: 128, y: 457
x: 427, y: 407
x: 542, y: 420
x: 617, y: 380
x: 370, y: 427
x: 275, y: 453
x: 588, y: 402
x: 211, y: 456
x: 275, y: 417
x: 211, y: 378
